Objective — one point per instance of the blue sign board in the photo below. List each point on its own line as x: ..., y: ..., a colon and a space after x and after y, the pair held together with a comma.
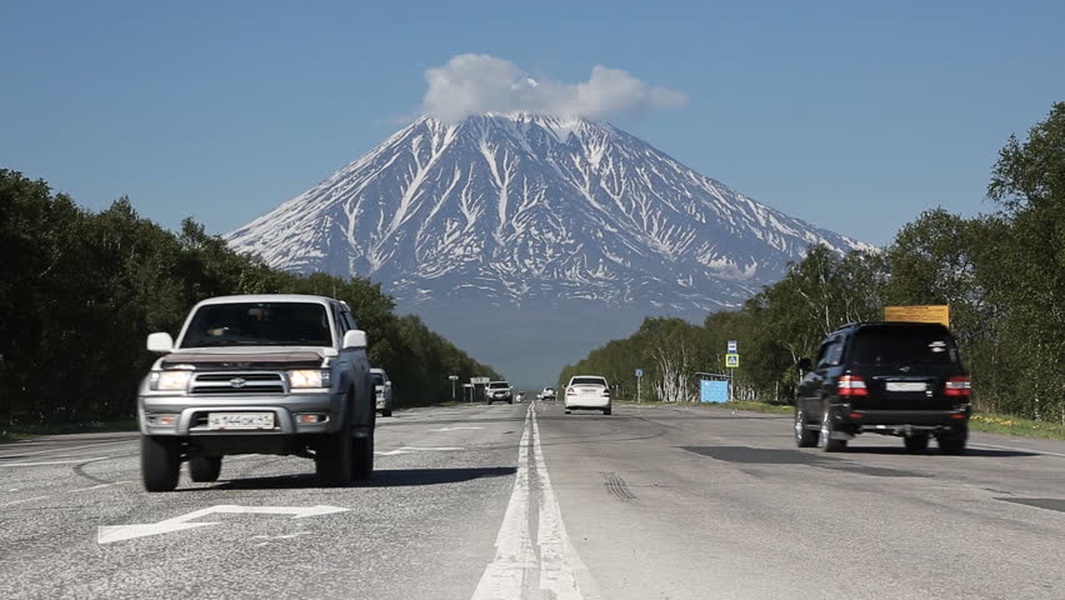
x: 713, y: 391
x: 639, y: 372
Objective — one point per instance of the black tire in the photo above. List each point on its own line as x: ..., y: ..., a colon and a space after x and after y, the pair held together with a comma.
x: 160, y: 463
x: 953, y: 441
x: 333, y: 456
x: 205, y: 469
x: 387, y: 412
x: 917, y: 442
x: 568, y: 411
x: 824, y: 438
x: 608, y: 411
x: 804, y: 436
x: 362, y: 458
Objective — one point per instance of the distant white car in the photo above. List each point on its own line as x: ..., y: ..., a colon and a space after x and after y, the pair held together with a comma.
x: 382, y: 386
x: 588, y: 392
x: 499, y: 391
x: 548, y: 393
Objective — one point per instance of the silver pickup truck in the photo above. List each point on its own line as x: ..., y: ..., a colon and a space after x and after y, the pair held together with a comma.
x: 263, y: 374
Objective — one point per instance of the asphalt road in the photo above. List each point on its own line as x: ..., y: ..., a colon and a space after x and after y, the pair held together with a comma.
x: 479, y: 502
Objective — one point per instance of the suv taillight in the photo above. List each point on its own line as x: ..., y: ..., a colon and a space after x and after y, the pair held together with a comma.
x: 959, y: 385
x: 852, y: 385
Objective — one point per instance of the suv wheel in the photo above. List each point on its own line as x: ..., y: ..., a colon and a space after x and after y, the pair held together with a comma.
x: 205, y: 469
x: 804, y: 436
x: 160, y: 463
x: 332, y: 458
x: 362, y: 463
x: 953, y: 441
x: 827, y: 429
x: 916, y: 442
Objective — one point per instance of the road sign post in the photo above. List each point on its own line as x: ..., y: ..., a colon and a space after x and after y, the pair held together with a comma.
x: 732, y: 362
x: 453, y: 379
x: 639, y: 376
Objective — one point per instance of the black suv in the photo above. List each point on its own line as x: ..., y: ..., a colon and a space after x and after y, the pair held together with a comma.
x: 892, y: 378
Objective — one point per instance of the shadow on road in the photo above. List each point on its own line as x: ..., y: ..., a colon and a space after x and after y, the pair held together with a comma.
x: 381, y: 478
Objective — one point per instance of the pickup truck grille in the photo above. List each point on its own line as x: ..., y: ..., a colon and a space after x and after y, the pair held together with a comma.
x: 238, y: 383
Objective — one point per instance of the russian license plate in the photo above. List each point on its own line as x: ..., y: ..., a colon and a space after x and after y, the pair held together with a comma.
x: 240, y: 420
x: 906, y: 386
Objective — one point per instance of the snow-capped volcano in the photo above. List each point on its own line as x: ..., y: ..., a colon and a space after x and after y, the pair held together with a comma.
x: 515, y: 208
x: 510, y: 235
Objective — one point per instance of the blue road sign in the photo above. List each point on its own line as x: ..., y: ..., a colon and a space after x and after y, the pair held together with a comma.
x: 639, y: 372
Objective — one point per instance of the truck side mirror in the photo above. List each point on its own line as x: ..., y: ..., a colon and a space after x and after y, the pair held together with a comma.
x: 160, y: 342
x: 355, y: 338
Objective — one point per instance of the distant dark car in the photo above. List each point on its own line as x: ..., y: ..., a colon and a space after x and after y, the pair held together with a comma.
x: 892, y: 378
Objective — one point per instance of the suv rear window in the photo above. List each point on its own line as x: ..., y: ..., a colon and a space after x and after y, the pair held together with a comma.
x: 895, y: 345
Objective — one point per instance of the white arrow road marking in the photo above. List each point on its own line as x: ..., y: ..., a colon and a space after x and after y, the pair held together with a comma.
x: 562, y: 573
x: 118, y: 533
x: 409, y: 449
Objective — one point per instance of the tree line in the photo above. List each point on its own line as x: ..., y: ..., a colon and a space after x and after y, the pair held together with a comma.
x: 80, y: 291
x: 1002, y: 274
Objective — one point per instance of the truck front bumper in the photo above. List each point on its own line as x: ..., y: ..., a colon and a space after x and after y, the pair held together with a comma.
x: 188, y: 415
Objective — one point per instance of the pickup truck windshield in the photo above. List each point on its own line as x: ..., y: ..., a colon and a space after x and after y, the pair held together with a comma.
x: 259, y: 324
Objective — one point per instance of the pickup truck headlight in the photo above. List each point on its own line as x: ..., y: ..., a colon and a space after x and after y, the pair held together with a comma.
x: 170, y: 380
x: 308, y: 378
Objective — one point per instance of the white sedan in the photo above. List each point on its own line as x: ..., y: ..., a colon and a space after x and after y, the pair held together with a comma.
x: 587, y: 392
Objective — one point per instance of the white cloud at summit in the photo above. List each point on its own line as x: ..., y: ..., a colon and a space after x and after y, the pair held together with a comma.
x: 475, y: 84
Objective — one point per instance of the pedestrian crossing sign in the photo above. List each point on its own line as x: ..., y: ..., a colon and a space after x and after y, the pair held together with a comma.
x: 732, y: 360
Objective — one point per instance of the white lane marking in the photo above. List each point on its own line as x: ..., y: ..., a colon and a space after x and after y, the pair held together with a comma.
x: 98, y: 487
x: 118, y: 533
x: 69, y: 448
x: 504, y: 577
x: 410, y: 449
x: 24, y: 500
x: 55, y: 462
x: 561, y: 570
x: 455, y: 428
x: 560, y: 564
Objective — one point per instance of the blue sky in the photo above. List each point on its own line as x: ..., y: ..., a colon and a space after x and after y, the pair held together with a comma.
x: 855, y: 116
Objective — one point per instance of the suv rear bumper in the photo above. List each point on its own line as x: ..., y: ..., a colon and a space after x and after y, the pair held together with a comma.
x: 929, y: 419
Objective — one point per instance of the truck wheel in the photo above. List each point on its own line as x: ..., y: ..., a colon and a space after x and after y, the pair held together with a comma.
x: 205, y: 469
x: 827, y: 429
x: 917, y: 442
x: 804, y: 436
x: 332, y: 458
x: 160, y: 463
x: 387, y: 412
x: 953, y: 441
x: 362, y: 462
